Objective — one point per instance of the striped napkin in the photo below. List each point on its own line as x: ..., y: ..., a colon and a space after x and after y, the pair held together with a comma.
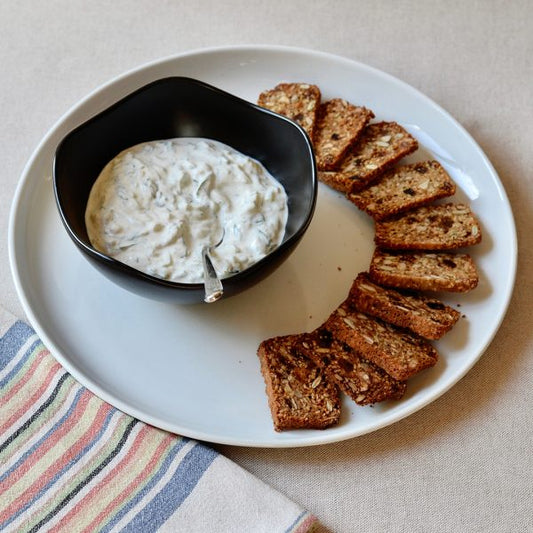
x: 71, y: 462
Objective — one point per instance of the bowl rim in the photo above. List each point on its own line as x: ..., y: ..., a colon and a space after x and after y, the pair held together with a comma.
x: 178, y: 285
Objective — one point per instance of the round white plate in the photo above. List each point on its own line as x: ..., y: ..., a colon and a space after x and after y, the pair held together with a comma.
x: 193, y: 370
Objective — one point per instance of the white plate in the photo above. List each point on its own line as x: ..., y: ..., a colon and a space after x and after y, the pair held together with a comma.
x: 193, y: 370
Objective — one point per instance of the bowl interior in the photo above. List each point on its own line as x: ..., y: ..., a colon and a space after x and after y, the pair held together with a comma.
x: 183, y: 107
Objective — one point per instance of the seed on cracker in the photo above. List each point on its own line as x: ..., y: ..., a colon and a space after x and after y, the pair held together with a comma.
x: 428, y: 317
x: 357, y: 377
x: 432, y: 227
x: 299, y: 395
x: 297, y: 101
x: 424, y: 271
x: 381, y: 145
x: 403, y: 188
x: 399, y: 352
x: 338, y: 127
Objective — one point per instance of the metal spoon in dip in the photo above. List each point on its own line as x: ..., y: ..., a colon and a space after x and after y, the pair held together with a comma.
x: 212, y: 284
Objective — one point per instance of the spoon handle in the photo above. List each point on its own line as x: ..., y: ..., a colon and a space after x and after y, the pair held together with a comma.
x: 213, y: 286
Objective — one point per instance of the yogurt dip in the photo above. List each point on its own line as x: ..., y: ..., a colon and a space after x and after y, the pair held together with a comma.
x: 157, y: 204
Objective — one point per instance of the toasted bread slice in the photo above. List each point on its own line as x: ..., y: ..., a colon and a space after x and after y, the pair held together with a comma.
x: 403, y: 188
x: 433, y: 227
x: 357, y: 377
x: 428, y: 317
x: 424, y: 271
x: 338, y: 126
x: 397, y: 351
x: 299, y: 396
x: 297, y: 101
x: 381, y: 145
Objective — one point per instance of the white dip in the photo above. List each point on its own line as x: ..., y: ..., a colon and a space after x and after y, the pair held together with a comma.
x: 157, y: 204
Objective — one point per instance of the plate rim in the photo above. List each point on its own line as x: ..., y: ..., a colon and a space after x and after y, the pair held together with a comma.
x: 325, y: 437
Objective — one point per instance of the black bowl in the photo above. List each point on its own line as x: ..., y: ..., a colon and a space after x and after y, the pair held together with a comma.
x: 183, y: 107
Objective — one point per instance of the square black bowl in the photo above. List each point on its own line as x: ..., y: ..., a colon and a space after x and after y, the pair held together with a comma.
x: 184, y: 107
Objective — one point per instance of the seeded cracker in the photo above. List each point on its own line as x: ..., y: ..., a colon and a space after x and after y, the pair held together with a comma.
x: 299, y: 396
x: 338, y: 126
x: 357, y: 377
x: 397, y: 351
x: 404, y: 188
x: 424, y: 271
x: 428, y: 317
x: 433, y: 227
x: 380, y: 146
x: 297, y: 101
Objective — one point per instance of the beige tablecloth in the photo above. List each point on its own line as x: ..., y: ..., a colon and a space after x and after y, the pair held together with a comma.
x: 463, y: 463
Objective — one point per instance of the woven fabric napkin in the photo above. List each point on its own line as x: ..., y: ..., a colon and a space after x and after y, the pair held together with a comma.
x: 71, y: 462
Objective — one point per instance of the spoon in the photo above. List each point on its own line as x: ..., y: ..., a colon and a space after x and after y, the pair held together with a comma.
x: 212, y: 284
